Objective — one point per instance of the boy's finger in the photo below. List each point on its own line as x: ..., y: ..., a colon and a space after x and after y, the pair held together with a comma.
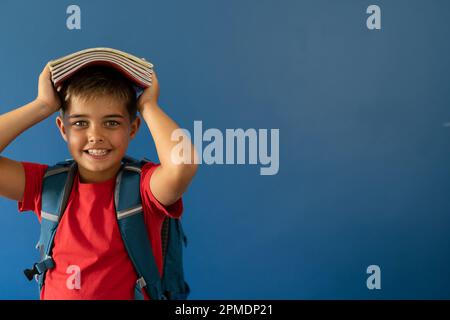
x: 46, y: 70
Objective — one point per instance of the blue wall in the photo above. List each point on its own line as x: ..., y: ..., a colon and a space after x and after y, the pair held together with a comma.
x: 364, y: 147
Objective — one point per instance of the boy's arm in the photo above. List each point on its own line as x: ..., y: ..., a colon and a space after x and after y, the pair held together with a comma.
x: 169, y: 180
x: 13, y: 123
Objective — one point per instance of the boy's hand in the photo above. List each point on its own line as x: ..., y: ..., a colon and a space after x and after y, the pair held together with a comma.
x: 47, y: 94
x: 150, y: 95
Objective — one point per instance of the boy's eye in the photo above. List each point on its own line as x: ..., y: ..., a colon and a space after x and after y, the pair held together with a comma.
x: 79, y: 123
x: 111, y: 123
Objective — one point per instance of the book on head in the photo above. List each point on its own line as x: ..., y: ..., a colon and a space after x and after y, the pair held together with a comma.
x: 138, y: 70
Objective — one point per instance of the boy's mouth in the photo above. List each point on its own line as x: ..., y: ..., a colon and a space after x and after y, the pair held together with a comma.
x: 97, y: 154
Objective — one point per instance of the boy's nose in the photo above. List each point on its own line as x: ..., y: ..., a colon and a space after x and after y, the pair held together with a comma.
x: 95, y: 134
x: 95, y: 139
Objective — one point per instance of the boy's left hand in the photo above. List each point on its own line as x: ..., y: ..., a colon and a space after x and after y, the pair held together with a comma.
x: 150, y: 95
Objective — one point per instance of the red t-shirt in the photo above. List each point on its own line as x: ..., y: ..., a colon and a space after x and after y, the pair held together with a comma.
x: 91, y: 261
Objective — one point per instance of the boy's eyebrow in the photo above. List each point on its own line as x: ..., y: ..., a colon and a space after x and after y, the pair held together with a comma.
x: 87, y: 116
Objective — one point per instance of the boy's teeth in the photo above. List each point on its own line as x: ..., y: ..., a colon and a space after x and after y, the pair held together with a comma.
x: 97, y: 152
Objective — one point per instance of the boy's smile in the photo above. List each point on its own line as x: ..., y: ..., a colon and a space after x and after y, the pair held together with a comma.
x: 97, y: 132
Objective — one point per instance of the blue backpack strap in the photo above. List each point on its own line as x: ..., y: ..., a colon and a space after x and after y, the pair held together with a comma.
x: 57, y: 184
x: 173, y: 283
x: 134, y: 233
x: 130, y: 218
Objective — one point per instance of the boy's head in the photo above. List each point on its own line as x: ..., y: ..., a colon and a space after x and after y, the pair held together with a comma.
x: 97, y: 120
x: 92, y: 82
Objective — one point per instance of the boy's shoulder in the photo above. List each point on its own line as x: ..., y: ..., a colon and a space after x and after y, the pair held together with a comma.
x: 127, y: 161
x: 143, y: 166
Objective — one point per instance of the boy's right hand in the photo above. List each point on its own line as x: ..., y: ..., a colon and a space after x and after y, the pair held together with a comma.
x: 47, y: 94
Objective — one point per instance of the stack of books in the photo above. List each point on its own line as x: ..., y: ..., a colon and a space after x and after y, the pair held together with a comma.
x: 138, y: 70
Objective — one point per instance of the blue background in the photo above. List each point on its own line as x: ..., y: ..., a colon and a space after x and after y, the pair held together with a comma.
x: 364, y: 147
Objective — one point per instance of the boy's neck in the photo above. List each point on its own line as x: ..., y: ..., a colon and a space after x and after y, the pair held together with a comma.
x: 87, y: 176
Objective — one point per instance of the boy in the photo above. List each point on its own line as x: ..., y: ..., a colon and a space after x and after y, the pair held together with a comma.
x: 97, y: 120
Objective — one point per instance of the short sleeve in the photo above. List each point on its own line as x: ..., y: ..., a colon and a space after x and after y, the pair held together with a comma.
x: 175, y: 210
x: 32, y: 199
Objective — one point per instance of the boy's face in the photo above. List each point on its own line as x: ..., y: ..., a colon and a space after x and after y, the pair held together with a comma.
x: 97, y: 133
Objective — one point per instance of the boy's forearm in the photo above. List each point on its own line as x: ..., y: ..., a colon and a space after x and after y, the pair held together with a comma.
x: 161, y: 127
x: 13, y: 123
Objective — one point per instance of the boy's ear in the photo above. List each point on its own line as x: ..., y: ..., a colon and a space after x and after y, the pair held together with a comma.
x: 134, y: 127
x: 61, y: 127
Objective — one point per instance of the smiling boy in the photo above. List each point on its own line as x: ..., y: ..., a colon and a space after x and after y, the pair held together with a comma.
x: 98, y: 119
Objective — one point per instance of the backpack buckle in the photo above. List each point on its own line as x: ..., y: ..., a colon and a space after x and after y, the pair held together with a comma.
x: 30, y: 273
x: 141, y: 283
x: 39, y: 268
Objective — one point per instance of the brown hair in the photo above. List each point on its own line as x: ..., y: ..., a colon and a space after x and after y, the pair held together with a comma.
x: 95, y: 81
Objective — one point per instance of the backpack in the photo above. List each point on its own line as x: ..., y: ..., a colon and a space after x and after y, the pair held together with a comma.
x: 57, y: 185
